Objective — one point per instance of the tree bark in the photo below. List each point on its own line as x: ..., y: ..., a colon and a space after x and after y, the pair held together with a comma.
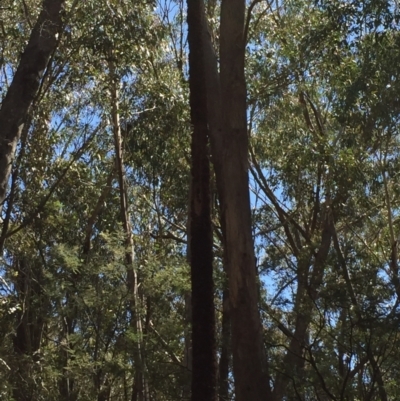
x: 223, y: 387
x: 187, y: 360
x: 204, y: 380
x: 226, y: 101
x: 29, y: 331
x: 249, y: 361
x: 139, y: 391
x: 25, y: 84
x: 309, y: 282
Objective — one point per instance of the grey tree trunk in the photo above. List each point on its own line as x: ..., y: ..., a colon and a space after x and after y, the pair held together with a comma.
x: 25, y: 84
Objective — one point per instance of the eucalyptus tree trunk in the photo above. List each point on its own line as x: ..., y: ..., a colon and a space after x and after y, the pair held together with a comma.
x: 29, y: 330
x: 225, y: 350
x: 249, y: 361
x: 188, y: 356
x: 25, y: 85
x: 204, y: 380
x: 310, y: 276
x: 226, y: 112
x: 140, y: 387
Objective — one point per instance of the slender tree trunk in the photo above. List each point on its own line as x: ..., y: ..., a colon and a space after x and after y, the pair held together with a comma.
x: 201, y: 242
x: 224, y: 359
x: 25, y: 84
x: 66, y: 384
x: 188, y: 357
x: 29, y: 331
x: 139, y: 392
x: 104, y: 390
x: 96, y: 211
x: 308, y: 288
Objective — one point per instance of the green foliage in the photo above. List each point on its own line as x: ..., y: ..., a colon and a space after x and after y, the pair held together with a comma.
x: 323, y: 110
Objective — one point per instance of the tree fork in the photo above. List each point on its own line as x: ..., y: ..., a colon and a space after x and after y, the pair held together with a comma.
x: 230, y: 156
x: 226, y: 112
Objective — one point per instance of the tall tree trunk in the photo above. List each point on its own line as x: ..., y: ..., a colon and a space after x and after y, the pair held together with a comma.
x: 139, y: 392
x: 249, y: 362
x: 188, y: 356
x: 226, y: 100
x: 204, y: 381
x: 25, y: 84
